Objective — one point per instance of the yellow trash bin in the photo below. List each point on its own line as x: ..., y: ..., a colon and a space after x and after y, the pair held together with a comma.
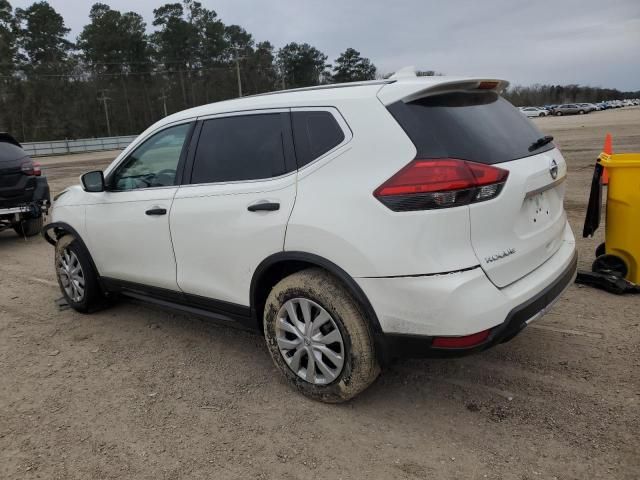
x: 622, y: 234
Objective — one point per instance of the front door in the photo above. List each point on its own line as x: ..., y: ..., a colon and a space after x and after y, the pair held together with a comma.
x: 128, y: 224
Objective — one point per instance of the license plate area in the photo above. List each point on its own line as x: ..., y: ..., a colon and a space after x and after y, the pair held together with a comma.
x: 538, y: 208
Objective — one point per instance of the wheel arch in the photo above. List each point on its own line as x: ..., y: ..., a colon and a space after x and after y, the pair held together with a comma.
x: 52, y: 232
x: 279, y: 265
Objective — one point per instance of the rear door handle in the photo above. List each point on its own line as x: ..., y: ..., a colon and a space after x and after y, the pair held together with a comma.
x: 156, y: 211
x: 264, y: 206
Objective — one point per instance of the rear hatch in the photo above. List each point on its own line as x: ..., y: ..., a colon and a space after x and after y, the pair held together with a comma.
x: 522, y: 227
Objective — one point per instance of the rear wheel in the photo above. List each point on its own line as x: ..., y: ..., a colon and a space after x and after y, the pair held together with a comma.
x: 76, y: 276
x: 581, y: 112
x: 319, y: 338
x: 29, y: 227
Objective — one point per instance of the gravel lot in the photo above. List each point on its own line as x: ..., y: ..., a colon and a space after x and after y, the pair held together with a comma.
x: 140, y: 392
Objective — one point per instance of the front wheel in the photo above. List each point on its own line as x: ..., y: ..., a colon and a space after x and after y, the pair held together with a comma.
x: 558, y: 114
x: 581, y: 112
x: 29, y: 227
x: 319, y: 338
x: 77, y: 278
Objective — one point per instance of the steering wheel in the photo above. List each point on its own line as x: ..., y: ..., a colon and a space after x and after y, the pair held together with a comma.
x: 169, y: 175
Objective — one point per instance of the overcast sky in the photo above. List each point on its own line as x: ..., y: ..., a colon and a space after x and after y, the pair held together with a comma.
x: 590, y: 42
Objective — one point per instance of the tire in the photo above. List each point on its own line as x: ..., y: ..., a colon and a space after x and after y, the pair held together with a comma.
x: 610, y: 264
x: 543, y: 115
x: 558, y: 114
x: 581, y: 112
x: 321, y: 292
x: 601, y: 250
x: 68, y: 255
x: 29, y: 227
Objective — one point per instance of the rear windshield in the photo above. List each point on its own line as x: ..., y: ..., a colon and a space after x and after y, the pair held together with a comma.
x: 9, y: 152
x: 477, y: 126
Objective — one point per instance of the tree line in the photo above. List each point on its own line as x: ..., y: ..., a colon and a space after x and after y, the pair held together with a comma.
x: 540, y: 95
x: 116, y: 77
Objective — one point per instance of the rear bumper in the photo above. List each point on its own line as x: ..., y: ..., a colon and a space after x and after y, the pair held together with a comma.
x: 413, y: 310
x: 398, y: 345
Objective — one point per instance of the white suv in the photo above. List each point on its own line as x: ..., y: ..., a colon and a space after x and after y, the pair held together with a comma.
x: 350, y: 224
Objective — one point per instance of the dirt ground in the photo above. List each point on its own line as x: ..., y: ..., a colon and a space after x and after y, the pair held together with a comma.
x: 141, y: 392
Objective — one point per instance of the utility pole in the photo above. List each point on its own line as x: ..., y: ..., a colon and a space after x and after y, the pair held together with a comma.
x: 104, y: 100
x: 164, y: 101
x: 237, y: 60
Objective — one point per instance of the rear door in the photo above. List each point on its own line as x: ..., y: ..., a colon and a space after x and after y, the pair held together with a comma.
x: 515, y: 232
x: 233, y: 211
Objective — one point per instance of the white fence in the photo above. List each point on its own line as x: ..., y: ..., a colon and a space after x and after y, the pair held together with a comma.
x: 61, y: 147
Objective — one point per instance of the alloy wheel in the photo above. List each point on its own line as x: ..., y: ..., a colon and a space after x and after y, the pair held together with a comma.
x: 71, y: 275
x: 310, y: 341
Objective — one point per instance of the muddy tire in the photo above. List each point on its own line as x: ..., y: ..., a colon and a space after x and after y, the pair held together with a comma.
x: 76, y: 276
x: 335, y: 315
x: 29, y: 227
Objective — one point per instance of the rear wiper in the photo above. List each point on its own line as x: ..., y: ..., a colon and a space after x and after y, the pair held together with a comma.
x: 541, y: 142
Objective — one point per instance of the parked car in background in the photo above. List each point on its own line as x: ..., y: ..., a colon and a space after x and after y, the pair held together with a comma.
x: 569, y: 109
x: 589, y: 107
x: 24, y: 191
x: 534, y: 111
x: 286, y: 213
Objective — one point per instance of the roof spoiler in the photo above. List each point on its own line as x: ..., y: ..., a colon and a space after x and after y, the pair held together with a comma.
x: 7, y: 138
x: 409, y: 87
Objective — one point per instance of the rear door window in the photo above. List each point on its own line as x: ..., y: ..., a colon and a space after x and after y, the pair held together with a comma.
x: 242, y: 147
x: 477, y: 126
x: 315, y: 133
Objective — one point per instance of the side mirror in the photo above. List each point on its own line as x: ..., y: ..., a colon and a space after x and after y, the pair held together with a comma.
x: 93, y: 181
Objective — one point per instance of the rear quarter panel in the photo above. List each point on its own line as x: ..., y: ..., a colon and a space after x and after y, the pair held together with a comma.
x: 337, y: 217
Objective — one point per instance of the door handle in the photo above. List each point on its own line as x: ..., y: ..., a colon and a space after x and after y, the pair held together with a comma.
x: 264, y: 207
x: 156, y: 211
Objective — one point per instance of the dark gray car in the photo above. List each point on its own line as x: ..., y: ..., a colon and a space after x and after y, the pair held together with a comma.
x: 570, y: 109
x: 24, y: 191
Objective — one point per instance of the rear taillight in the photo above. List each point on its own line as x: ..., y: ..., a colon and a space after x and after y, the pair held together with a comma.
x: 31, y: 168
x: 427, y: 184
